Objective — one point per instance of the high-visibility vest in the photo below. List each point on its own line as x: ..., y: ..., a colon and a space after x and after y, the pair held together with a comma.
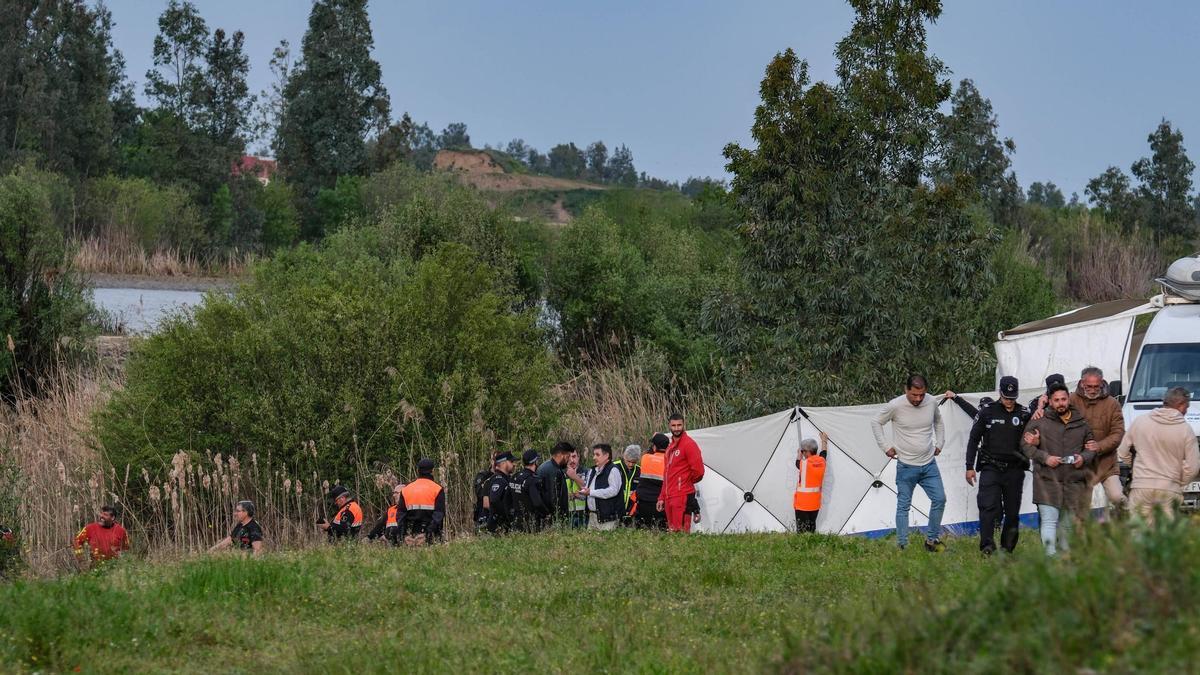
x: 352, y: 509
x: 808, y: 489
x: 654, y: 466
x: 628, y: 473
x: 574, y: 504
x: 391, y: 516
x: 421, y: 495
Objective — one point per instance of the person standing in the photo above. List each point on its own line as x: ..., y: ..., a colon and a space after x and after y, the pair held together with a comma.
x: 573, y: 482
x: 1103, y: 414
x: 631, y: 474
x: 247, y: 534
x: 499, y: 506
x: 917, y: 437
x: 994, y: 457
x: 652, y: 469
x: 806, y: 501
x: 531, y: 508
x: 105, y: 538
x: 1167, y: 456
x: 684, y: 468
x: 421, y: 509
x: 603, y: 488
x: 553, y: 485
x: 1060, y: 444
x: 348, y: 521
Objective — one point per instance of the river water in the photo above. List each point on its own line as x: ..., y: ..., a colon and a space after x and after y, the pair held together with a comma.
x: 141, y: 310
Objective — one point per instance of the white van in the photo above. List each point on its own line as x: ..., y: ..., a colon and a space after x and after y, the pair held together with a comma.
x: 1170, y: 353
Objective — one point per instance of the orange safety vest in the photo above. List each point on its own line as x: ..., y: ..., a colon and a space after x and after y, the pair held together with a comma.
x: 391, y: 517
x: 808, y: 490
x: 356, y: 514
x: 421, y: 495
x: 654, y: 466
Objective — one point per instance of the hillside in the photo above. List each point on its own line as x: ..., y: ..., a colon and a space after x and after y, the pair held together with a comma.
x: 624, y: 602
x: 528, y: 195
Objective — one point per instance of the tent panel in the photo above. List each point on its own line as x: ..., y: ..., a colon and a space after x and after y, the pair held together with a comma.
x: 754, y: 518
x: 719, y: 501
x: 739, y: 451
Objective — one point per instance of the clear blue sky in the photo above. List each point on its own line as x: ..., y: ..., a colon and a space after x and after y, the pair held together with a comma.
x: 1077, y: 85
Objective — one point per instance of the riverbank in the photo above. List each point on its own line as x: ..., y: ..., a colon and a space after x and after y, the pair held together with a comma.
x: 199, y: 284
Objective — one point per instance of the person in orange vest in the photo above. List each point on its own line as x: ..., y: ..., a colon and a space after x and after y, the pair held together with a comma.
x: 807, y: 499
x: 349, y: 519
x: 649, y: 487
x: 106, y: 539
x: 389, y: 524
x: 421, y: 509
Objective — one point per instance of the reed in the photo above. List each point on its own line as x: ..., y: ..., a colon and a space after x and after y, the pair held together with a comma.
x: 95, y: 255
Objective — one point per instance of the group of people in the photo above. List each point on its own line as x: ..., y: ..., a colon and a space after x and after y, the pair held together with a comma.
x: 652, y: 488
x: 1073, y: 442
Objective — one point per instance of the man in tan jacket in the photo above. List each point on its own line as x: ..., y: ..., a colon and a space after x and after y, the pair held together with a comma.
x: 1167, y: 456
x: 1103, y: 414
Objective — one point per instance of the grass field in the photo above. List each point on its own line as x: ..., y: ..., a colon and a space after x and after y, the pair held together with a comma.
x: 625, y: 602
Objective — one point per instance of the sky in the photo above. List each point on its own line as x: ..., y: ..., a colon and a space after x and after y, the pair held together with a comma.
x: 1078, y: 86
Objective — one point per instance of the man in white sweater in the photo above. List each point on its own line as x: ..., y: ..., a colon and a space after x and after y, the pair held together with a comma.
x: 1167, y: 456
x: 917, y: 437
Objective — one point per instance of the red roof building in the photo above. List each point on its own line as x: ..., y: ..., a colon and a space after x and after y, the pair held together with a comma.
x: 261, y: 168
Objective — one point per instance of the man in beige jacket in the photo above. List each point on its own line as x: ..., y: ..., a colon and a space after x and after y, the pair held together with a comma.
x: 1167, y: 456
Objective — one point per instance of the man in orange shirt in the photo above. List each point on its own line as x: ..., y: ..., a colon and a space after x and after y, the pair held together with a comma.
x: 105, y: 538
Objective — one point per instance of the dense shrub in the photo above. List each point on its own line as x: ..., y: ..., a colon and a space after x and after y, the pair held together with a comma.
x: 141, y: 212
x: 372, y: 357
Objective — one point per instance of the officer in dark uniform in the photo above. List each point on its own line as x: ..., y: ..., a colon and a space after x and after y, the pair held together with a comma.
x: 498, y: 501
x: 994, y: 451
x: 480, y: 489
x: 530, y: 508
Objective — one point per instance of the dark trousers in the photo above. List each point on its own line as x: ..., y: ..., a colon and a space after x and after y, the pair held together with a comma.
x: 1000, y: 495
x: 649, y: 518
x: 806, y: 521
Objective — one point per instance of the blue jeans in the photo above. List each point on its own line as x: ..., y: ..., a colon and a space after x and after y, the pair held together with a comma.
x: 930, y: 480
x: 1055, y: 526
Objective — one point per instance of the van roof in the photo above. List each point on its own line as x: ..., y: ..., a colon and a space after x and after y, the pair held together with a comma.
x: 1173, y: 324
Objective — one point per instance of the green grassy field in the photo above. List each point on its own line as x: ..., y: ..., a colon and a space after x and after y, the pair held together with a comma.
x: 625, y: 602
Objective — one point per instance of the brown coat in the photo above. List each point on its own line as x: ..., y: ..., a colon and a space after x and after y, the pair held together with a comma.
x: 1061, y: 486
x: 1108, y: 428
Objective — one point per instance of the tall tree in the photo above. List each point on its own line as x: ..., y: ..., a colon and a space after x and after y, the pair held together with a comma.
x: 177, y: 81
x: 333, y: 100
x: 967, y: 145
x: 566, y: 161
x: 227, y: 101
x: 269, y: 112
x: 1166, y: 184
x: 620, y: 168
x: 454, y: 137
x: 1110, y: 192
x: 597, y: 161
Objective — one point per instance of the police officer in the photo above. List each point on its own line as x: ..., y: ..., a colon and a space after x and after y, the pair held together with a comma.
x: 498, y: 501
x: 480, y: 487
x: 531, y: 508
x: 421, y: 508
x: 994, y: 451
x: 348, y: 521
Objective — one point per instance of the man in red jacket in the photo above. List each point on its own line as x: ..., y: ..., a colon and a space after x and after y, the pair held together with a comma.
x: 684, y: 469
x: 105, y: 538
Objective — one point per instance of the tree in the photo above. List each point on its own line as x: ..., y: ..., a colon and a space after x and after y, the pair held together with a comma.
x: 177, y: 80
x: 1046, y: 194
x: 227, y: 99
x: 620, y: 168
x: 334, y: 100
x: 1166, y: 184
x: 454, y: 137
x: 968, y: 146
x: 60, y: 79
x: 1110, y: 192
x: 566, y: 161
x: 597, y: 161
x: 269, y: 113
x: 855, y: 272
x: 518, y: 149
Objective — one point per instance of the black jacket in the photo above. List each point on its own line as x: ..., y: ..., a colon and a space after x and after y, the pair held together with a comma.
x: 501, y: 504
x: 525, y: 488
x: 552, y: 486
x: 995, y: 440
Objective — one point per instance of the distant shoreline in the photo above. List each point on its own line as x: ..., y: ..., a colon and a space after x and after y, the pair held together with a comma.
x: 160, y: 283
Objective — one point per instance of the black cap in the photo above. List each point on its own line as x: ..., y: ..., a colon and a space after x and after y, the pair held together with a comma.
x: 1008, y: 387
x: 425, y: 465
x: 505, y: 457
x: 530, y: 457
x: 986, y: 401
x: 337, y: 491
x: 1054, y: 379
x: 660, y: 441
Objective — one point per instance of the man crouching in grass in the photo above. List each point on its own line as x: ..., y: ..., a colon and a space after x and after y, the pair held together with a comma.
x: 246, y: 535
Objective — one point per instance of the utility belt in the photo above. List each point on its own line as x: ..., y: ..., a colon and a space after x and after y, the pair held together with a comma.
x: 986, y: 461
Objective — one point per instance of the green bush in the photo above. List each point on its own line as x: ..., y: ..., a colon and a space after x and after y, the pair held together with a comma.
x: 373, y: 357
x: 145, y: 213
x: 280, y: 220
x: 44, y: 304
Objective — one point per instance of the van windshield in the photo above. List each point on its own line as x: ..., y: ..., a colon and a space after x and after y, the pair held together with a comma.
x: 1164, y: 366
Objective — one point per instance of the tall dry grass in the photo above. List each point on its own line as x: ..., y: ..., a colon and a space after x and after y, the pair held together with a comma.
x: 186, y: 506
x: 1107, y: 266
x: 95, y: 255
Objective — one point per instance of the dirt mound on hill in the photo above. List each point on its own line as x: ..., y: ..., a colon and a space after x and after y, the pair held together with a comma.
x: 480, y: 170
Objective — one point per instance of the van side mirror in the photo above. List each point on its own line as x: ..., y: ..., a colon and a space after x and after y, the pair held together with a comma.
x: 1114, y: 390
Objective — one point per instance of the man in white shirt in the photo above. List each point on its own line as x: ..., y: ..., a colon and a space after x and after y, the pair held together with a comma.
x: 917, y: 437
x: 605, y: 503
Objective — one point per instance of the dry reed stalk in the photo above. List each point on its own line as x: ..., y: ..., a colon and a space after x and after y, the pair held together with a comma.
x: 117, y: 255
